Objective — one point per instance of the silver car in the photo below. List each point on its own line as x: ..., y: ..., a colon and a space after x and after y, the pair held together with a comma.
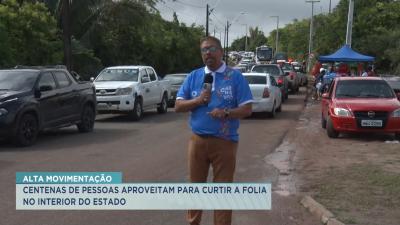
x: 176, y: 80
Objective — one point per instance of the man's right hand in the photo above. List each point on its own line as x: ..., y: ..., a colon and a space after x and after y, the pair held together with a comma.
x: 205, y: 97
x: 187, y: 105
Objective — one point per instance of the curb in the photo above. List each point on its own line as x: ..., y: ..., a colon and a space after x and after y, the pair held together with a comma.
x: 320, y: 211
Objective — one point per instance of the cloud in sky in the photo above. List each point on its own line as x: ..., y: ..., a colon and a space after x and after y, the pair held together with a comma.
x: 256, y: 13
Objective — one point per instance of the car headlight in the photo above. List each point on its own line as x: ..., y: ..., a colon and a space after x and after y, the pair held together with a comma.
x: 3, y: 111
x: 124, y: 91
x: 342, y: 112
x: 9, y: 100
x: 396, y: 113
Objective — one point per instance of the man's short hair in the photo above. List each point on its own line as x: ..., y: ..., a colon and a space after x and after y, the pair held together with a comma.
x: 213, y: 39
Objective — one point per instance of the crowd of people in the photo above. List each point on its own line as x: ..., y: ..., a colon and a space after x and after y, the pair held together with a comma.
x: 324, y: 77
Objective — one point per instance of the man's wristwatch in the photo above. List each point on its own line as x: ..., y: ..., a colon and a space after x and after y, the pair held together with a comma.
x: 227, y: 112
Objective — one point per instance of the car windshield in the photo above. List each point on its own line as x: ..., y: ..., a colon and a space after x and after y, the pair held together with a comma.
x: 273, y: 70
x: 286, y: 67
x: 118, y: 75
x: 264, y: 54
x: 280, y: 56
x: 256, y: 79
x: 363, y: 89
x: 17, y: 80
x: 175, y: 79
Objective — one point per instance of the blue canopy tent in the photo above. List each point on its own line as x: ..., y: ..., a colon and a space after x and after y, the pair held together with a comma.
x: 346, y: 54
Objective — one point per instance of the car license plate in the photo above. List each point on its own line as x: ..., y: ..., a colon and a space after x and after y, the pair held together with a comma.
x: 102, y: 106
x: 371, y: 123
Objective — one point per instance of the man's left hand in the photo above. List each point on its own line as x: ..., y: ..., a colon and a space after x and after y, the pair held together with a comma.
x: 217, y: 113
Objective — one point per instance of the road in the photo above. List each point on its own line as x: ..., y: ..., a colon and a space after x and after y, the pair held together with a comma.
x: 151, y: 150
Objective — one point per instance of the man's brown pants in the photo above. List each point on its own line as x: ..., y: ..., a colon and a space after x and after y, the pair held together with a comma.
x: 221, y: 154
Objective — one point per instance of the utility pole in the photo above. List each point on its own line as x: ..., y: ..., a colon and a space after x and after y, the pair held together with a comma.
x: 277, y: 33
x: 245, y: 46
x: 224, y: 42
x: 227, y: 40
x: 66, y: 33
x: 245, y: 43
x: 207, y: 14
x: 311, y: 32
x: 350, y: 23
x: 330, y: 6
x: 227, y: 32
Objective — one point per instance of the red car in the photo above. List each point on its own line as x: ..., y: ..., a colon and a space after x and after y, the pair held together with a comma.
x: 360, y: 104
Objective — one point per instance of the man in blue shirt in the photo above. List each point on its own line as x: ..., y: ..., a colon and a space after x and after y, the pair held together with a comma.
x: 214, y: 119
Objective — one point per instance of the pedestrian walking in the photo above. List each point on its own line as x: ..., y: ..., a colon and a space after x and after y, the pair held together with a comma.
x: 216, y: 105
x: 368, y: 72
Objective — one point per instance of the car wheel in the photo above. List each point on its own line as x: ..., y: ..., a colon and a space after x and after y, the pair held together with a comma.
x: 137, y: 112
x: 273, y: 112
x: 163, y: 106
x: 323, y: 122
x: 330, y: 130
x: 397, y: 136
x: 87, y: 119
x: 27, y: 131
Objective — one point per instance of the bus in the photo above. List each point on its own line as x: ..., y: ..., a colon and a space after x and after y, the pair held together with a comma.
x: 263, y: 54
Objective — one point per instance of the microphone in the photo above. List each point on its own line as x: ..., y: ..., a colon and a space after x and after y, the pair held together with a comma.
x: 208, y: 80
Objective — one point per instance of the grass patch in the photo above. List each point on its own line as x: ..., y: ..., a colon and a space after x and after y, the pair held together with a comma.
x: 361, y: 188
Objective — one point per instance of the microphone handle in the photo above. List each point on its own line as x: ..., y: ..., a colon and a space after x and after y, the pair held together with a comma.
x: 207, y: 87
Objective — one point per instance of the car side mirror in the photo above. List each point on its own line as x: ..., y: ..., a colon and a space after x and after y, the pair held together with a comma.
x: 44, y: 88
x: 398, y: 95
x: 92, y: 79
x: 325, y: 95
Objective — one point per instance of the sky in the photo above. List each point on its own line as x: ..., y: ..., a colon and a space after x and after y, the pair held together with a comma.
x: 253, y: 13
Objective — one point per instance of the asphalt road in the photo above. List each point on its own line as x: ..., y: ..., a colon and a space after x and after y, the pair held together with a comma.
x: 151, y: 150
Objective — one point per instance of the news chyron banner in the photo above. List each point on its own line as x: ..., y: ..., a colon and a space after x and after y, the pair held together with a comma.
x: 105, y: 191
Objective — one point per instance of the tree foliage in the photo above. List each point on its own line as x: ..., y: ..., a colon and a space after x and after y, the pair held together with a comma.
x: 28, y: 34
x: 256, y: 38
x: 103, y: 33
x: 376, y: 32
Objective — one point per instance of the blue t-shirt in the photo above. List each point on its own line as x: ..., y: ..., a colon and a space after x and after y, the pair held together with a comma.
x: 328, y: 78
x: 230, y: 91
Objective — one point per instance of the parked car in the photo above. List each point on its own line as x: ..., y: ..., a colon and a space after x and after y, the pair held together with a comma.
x: 276, y: 71
x: 280, y: 57
x: 292, y: 76
x: 360, y: 104
x: 131, y: 90
x: 176, y: 80
x: 242, y: 69
x: 394, y: 82
x: 32, y: 100
x: 266, y: 93
x: 300, y: 73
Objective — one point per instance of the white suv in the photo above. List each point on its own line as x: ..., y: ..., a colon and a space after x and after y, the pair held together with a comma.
x: 131, y: 89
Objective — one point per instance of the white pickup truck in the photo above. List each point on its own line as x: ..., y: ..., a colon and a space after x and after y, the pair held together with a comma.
x: 131, y: 89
